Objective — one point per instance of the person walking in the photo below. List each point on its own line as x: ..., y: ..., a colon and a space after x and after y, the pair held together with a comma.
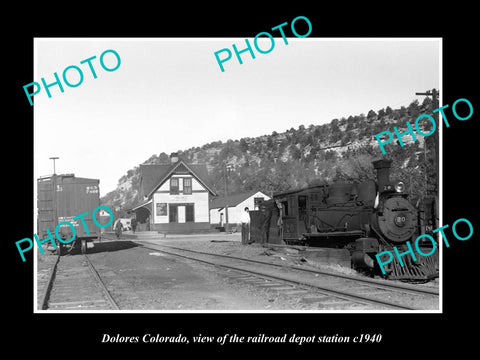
x: 118, y: 229
x: 245, y: 220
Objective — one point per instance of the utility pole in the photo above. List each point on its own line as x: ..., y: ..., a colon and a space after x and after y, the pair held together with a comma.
x: 54, y: 199
x: 54, y: 158
x: 226, y: 196
x: 434, y: 105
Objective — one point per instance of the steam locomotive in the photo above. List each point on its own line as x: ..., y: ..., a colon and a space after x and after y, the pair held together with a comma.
x: 365, y: 218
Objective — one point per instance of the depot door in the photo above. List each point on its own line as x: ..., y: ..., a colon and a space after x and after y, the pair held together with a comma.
x: 181, y: 213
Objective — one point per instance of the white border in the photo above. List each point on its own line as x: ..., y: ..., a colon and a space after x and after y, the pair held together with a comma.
x: 440, y: 309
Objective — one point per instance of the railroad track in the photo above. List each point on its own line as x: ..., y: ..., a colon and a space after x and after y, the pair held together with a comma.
x: 74, y: 284
x: 329, y: 290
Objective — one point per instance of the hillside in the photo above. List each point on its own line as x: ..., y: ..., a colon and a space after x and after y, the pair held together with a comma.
x: 342, y: 149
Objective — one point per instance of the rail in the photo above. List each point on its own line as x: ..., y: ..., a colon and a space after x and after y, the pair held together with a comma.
x: 348, y: 295
x: 386, y: 284
x: 105, y: 300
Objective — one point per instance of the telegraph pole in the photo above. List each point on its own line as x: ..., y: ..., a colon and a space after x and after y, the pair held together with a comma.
x: 436, y: 138
x: 54, y: 200
x: 226, y: 196
x: 434, y: 105
x: 54, y: 158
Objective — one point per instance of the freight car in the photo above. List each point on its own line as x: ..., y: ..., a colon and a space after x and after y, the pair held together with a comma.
x: 61, y: 198
x: 365, y: 218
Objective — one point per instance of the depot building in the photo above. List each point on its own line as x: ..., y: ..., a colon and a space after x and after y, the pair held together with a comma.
x: 176, y: 197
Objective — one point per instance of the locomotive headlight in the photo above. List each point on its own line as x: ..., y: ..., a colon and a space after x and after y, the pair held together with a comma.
x: 399, y: 186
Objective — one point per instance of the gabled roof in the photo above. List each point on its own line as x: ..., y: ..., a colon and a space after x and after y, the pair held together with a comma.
x: 150, y: 176
x: 233, y: 200
x: 153, y: 176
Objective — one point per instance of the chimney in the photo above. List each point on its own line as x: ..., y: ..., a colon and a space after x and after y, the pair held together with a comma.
x: 383, y: 174
x: 173, y: 158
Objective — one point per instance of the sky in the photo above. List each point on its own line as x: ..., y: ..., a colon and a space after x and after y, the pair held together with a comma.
x: 169, y: 94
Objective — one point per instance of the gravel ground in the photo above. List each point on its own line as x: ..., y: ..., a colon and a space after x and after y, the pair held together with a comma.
x: 142, y: 280
x: 230, y: 244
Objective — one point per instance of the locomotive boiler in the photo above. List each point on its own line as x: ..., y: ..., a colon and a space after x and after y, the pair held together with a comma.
x: 366, y: 218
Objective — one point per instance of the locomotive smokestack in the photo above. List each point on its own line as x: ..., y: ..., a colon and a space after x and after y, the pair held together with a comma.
x: 383, y: 174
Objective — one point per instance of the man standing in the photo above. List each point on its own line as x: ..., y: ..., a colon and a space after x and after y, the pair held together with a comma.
x: 245, y: 219
x: 134, y: 224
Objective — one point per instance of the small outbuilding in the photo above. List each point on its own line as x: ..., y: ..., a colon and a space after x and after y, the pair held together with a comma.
x: 236, y: 205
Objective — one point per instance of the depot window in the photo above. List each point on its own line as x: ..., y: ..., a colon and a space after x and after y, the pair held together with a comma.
x: 174, y: 186
x: 187, y: 186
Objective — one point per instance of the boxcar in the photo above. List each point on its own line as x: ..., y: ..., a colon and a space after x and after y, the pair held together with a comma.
x: 61, y: 198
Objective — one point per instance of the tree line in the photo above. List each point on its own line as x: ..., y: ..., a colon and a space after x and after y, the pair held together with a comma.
x: 340, y: 150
